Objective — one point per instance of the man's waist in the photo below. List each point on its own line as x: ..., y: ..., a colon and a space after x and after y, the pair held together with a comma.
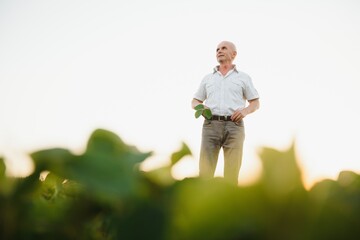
x: 223, y: 110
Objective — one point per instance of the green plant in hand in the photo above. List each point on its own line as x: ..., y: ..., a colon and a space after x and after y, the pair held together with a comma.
x: 201, y: 110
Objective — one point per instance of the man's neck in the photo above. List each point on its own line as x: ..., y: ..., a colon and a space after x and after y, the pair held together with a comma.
x: 224, y: 68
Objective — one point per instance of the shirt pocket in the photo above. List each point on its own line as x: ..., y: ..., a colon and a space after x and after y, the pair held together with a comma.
x: 236, y: 88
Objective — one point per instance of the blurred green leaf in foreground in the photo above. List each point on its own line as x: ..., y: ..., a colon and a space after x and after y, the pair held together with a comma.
x: 103, y: 194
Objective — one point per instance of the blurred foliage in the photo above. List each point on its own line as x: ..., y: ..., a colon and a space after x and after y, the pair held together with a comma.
x: 103, y: 194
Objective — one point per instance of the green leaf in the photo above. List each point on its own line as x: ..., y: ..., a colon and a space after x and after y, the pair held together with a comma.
x: 106, y: 169
x: 176, y: 156
x: 2, y: 167
x: 207, y: 113
x: 53, y: 160
x: 199, y: 107
x: 108, y: 166
x: 198, y: 113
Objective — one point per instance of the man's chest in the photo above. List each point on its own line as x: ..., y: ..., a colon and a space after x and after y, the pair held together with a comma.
x: 225, y: 85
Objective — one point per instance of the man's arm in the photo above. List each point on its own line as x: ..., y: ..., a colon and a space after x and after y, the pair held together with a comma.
x: 241, y: 113
x: 195, y: 102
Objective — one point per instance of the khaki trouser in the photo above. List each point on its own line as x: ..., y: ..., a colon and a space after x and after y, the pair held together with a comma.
x: 228, y: 135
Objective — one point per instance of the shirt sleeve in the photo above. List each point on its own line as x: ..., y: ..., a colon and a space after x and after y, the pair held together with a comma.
x: 250, y: 91
x: 201, y: 92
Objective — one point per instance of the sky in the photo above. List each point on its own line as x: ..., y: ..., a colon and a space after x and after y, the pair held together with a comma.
x: 132, y: 67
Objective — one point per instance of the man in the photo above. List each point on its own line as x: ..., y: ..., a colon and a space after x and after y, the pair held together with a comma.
x: 225, y: 92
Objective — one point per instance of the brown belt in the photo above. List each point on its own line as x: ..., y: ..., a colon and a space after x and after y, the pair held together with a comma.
x: 221, y: 118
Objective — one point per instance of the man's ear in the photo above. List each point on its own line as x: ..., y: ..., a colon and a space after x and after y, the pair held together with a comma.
x: 234, y: 54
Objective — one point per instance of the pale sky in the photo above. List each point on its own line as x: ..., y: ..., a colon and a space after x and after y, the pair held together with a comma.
x: 132, y: 67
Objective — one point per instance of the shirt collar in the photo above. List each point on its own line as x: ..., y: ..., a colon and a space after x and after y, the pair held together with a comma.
x: 216, y: 69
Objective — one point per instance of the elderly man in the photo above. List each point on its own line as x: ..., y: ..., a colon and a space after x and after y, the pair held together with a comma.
x: 231, y: 96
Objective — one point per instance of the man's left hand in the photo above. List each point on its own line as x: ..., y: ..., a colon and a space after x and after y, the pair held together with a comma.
x: 238, y: 115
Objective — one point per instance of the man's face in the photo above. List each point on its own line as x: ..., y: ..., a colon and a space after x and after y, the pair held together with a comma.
x: 225, y: 53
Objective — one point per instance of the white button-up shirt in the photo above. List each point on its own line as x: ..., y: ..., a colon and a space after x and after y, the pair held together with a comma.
x: 225, y: 94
